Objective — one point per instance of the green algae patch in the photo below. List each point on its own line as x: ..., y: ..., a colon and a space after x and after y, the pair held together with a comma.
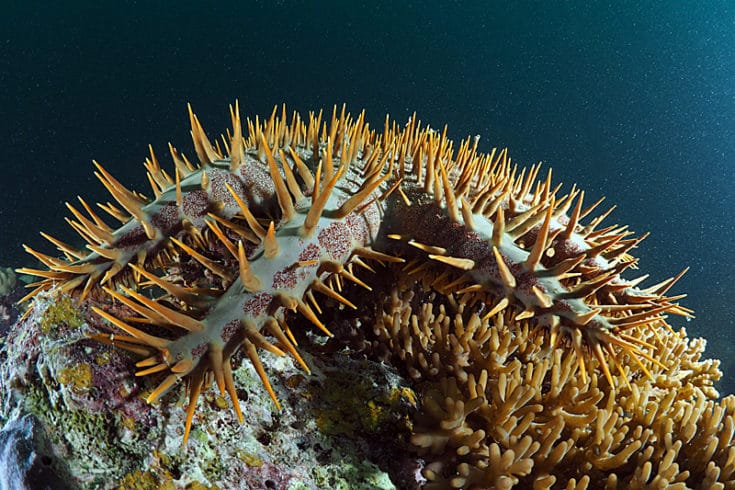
x: 200, y: 486
x: 249, y: 459
x: 145, y: 480
x: 103, y: 358
x: 77, y: 377
x: 348, y: 476
x: 346, y: 407
x: 61, y: 310
x: 157, y: 476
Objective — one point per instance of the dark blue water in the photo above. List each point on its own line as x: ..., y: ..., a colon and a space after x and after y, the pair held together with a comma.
x: 633, y: 102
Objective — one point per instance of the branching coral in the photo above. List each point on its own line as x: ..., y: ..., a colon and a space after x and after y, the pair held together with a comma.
x: 500, y: 408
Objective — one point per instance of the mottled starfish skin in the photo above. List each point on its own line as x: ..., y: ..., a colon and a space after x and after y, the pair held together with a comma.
x: 281, y: 276
x: 402, y: 195
x: 430, y: 224
x: 251, y: 182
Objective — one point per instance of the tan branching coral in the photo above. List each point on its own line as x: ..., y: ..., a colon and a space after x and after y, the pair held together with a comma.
x: 501, y: 408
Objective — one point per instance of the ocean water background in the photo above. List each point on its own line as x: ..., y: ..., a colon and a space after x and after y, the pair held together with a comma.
x: 633, y: 102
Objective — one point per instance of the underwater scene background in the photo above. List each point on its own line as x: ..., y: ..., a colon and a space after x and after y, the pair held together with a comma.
x: 633, y: 102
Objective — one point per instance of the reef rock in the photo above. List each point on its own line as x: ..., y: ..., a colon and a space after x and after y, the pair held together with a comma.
x: 330, y: 433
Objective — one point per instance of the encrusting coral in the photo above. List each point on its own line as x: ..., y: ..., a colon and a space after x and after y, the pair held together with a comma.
x: 540, y: 364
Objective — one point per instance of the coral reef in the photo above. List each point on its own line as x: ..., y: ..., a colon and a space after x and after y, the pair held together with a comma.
x: 102, y: 434
x: 534, y: 360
